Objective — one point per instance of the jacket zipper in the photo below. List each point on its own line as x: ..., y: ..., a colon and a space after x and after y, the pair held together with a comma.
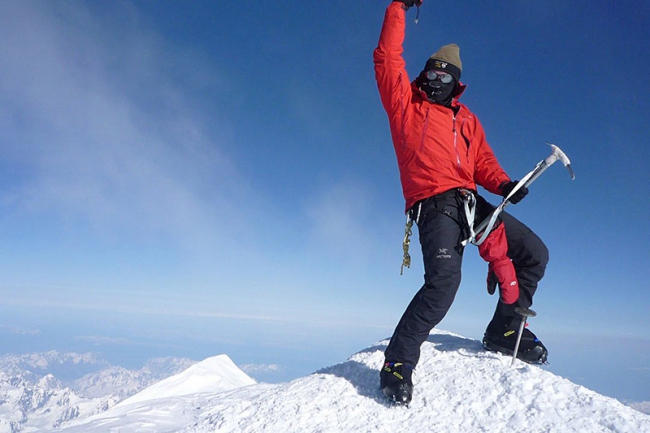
x: 424, y: 130
x: 456, y: 142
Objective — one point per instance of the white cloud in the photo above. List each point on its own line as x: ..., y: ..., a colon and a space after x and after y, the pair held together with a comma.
x: 338, y: 216
x: 108, y: 123
x: 19, y: 330
x: 260, y: 368
x: 102, y: 340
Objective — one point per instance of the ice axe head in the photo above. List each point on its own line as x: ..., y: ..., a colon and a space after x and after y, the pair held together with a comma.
x: 558, y: 154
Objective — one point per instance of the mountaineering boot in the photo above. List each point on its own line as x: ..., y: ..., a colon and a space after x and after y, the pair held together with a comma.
x: 531, y: 350
x: 396, y: 384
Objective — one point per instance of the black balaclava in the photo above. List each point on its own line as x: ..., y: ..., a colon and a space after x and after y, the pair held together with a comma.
x: 446, y: 59
x: 437, y: 92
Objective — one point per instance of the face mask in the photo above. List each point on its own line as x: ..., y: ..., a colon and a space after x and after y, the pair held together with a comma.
x: 439, y: 86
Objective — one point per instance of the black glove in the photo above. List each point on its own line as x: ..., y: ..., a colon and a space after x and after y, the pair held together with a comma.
x: 492, y: 281
x: 519, y: 195
x: 408, y: 3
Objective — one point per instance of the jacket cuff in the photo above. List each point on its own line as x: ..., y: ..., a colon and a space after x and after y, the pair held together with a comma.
x: 404, y: 7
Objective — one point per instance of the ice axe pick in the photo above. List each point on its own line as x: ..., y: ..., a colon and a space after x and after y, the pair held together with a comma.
x: 556, y: 155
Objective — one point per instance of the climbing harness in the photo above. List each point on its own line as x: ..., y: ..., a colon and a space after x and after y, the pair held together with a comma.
x: 469, y: 204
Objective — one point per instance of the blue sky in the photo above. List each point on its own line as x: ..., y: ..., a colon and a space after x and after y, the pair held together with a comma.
x: 196, y: 178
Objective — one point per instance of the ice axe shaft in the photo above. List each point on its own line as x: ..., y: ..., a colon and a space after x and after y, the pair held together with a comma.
x: 526, y: 312
x: 487, y: 224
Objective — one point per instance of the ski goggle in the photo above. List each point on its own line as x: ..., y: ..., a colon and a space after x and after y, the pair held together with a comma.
x: 434, y: 75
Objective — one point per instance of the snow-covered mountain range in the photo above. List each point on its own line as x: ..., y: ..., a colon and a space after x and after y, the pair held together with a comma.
x: 458, y: 388
x: 43, y: 391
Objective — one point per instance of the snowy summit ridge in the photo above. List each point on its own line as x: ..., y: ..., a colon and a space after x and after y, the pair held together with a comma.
x: 458, y: 388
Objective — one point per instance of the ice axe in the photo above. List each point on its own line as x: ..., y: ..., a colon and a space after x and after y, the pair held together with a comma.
x: 488, y: 223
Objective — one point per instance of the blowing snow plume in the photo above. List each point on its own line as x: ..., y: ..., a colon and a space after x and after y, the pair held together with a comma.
x: 459, y: 387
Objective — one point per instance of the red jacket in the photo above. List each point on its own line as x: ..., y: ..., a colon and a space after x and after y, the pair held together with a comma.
x: 436, y: 149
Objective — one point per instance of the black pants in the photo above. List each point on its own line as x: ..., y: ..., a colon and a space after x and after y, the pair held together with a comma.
x: 442, y: 227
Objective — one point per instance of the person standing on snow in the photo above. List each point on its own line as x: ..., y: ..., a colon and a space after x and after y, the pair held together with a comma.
x: 442, y: 156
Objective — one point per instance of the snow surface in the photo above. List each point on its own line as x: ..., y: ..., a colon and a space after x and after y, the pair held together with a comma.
x: 458, y: 388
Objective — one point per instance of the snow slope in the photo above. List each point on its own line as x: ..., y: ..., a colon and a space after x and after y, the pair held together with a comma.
x: 212, y: 375
x: 458, y: 388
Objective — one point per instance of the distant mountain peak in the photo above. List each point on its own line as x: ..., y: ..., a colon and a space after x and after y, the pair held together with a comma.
x: 214, y: 374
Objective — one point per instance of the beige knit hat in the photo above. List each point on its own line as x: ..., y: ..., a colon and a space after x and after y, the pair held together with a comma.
x: 447, y: 59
